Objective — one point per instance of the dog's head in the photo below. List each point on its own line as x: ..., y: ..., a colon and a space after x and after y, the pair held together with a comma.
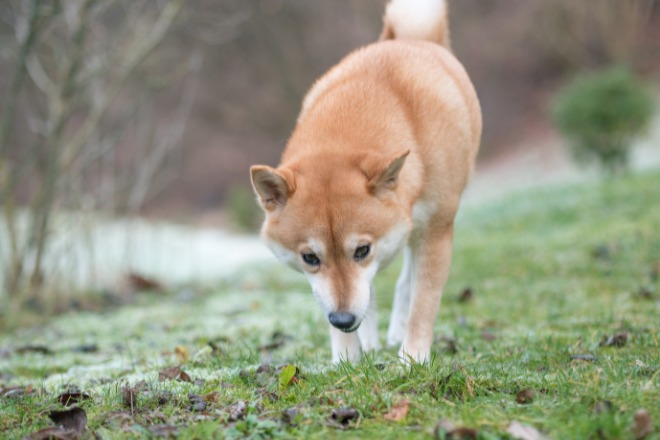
x: 338, y: 220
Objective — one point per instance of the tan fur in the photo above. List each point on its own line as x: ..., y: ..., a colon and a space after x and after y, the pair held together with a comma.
x: 386, y: 138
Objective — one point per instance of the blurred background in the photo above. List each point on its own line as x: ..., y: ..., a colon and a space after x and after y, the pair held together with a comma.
x: 127, y: 127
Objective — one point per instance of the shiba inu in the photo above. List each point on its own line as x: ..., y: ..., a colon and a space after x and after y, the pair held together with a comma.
x: 382, y: 150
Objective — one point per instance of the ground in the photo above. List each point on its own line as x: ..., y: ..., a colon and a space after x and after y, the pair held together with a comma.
x: 549, y: 323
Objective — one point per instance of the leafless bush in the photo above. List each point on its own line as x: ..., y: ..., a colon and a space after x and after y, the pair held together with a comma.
x: 78, y: 129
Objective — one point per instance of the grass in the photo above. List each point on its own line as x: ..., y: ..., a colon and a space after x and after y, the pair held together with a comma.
x: 552, y: 273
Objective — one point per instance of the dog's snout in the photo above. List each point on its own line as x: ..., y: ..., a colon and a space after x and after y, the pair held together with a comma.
x: 342, y: 320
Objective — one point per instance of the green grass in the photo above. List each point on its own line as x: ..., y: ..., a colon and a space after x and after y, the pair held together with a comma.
x: 552, y: 272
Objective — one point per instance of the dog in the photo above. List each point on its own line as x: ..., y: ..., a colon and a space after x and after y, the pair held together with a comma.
x: 382, y: 150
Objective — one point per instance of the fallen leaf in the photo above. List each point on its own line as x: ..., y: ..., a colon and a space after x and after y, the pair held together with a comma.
x: 642, y: 424
x: 74, y: 419
x: 618, y: 340
x: 182, y: 354
x: 583, y: 357
x: 167, y: 431
x: 70, y: 397
x: 142, y: 283
x: 486, y: 335
x: 290, y: 416
x: 198, y: 404
x: 287, y: 375
x: 41, y: 349
x: 523, y: 432
x: 87, y: 348
x: 277, y: 340
x: 344, y: 416
x: 466, y: 295
x: 212, y: 397
x: 173, y: 373
x: 237, y: 411
x: 129, y: 395
x: 398, y: 411
x: 15, y: 392
x: 645, y: 293
x: 451, y: 432
x: 525, y: 396
x: 53, y: 433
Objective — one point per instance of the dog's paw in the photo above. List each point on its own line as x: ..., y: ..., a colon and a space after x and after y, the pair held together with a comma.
x: 395, y: 335
x: 411, y: 355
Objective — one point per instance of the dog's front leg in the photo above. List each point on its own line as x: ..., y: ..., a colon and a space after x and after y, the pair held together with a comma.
x: 432, y: 258
x: 368, y: 330
x: 401, y: 305
x: 345, y: 346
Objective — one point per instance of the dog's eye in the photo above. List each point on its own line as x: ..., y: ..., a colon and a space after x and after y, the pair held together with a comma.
x: 311, y: 259
x: 361, y: 252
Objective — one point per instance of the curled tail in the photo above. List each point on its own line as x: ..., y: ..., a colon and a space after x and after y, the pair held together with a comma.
x: 416, y: 20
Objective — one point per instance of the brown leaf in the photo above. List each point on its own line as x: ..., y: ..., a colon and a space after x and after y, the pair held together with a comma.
x: 41, y: 349
x: 525, y: 396
x: 173, y: 373
x: 74, y: 419
x: 645, y: 293
x: 642, y: 425
x: 142, y: 283
x: 53, y: 433
x: 618, y: 340
x: 237, y: 411
x: 398, y: 411
x: 342, y: 417
x: 523, y: 432
x: 466, y: 295
x: 655, y: 271
x: 197, y: 403
x: 451, y: 432
x: 166, y: 431
x: 15, y: 392
x: 70, y: 397
x: 488, y: 336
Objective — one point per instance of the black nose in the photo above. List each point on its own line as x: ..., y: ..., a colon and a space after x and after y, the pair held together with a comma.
x: 342, y: 320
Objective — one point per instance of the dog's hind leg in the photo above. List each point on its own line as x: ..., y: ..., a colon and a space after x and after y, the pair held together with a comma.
x: 401, y: 306
x: 368, y: 330
x: 345, y: 346
x: 432, y: 258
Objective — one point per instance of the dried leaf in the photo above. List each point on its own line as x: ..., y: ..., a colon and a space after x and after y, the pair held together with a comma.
x: 451, y: 432
x: 129, y: 395
x: 74, y: 419
x: 237, y: 411
x: 15, y: 392
x: 466, y: 295
x: 523, y: 432
x: 525, y: 396
x: 53, y: 433
x: 198, y: 404
x: 642, y: 425
x: 41, y: 349
x: 166, y: 431
x: 141, y: 283
x: 488, y: 336
x: 583, y: 357
x: 398, y: 411
x: 618, y: 340
x: 71, y: 397
x: 86, y: 348
x: 344, y: 416
x: 173, y: 373
x: 182, y: 354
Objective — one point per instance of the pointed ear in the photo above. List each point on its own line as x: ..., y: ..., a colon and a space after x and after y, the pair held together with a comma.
x: 387, y: 173
x: 273, y: 187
